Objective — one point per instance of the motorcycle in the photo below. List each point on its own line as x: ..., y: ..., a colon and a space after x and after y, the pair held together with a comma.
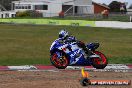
x: 70, y: 54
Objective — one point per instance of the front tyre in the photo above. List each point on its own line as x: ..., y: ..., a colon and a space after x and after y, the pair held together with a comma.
x: 60, y: 63
x: 99, y: 63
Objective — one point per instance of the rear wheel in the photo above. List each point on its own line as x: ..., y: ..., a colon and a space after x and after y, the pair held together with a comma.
x: 99, y: 63
x: 59, y: 62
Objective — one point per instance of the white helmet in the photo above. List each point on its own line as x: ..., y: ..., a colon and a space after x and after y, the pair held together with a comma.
x: 63, y: 34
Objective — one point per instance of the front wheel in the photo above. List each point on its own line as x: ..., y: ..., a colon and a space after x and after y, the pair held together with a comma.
x: 99, y: 63
x: 59, y: 62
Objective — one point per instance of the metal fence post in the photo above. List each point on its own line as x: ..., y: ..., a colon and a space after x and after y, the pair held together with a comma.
x: 130, y: 18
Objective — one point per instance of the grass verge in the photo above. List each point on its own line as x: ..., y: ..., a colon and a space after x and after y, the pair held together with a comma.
x: 29, y: 44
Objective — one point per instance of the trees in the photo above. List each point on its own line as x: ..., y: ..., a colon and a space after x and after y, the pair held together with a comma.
x: 116, y: 6
x: 29, y: 13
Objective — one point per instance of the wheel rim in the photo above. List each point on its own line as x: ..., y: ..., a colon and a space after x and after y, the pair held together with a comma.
x: 103, y: 58
x: 59, y: 62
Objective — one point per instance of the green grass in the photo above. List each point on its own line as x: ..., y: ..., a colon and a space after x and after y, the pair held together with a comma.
x: 29, y: 44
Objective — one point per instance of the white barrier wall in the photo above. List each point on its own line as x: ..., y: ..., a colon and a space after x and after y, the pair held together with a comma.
x: 113, y: 24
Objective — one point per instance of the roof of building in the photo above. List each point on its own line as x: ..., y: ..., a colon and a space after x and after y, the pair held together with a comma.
x: 105, y: 6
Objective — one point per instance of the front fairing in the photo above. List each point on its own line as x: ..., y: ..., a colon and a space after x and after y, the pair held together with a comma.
x: 55, y: 45
x: 75, y: 54
x: 76, y: 57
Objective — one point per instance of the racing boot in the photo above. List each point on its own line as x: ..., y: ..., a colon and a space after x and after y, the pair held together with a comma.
x: 87, y: 52
x: 90, y: 54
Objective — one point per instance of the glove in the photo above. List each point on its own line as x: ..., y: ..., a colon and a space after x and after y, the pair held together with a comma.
x: 80, y: 42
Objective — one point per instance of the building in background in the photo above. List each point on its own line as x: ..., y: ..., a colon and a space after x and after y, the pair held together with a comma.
x: 7, y: 14
x: 77, y: 7
x: 99, y: 8
x: 129, y: 11
x: 51, y: 8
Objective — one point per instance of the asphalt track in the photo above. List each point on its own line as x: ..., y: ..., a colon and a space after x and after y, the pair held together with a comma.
x: 109, y: 68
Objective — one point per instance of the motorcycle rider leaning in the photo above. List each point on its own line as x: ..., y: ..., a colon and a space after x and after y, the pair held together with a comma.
x: 64, y: 37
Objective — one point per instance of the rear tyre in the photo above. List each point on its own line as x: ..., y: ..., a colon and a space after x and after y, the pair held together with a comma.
x: 60, y: 63
x: 99, y: 63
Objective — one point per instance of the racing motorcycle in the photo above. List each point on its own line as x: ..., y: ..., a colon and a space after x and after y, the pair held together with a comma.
x: 70, y: 54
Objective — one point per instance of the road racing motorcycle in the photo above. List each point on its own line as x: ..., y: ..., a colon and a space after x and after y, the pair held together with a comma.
x: 70, y: 54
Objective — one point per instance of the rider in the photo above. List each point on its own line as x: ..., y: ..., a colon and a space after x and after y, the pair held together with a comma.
x: 65, y: 37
